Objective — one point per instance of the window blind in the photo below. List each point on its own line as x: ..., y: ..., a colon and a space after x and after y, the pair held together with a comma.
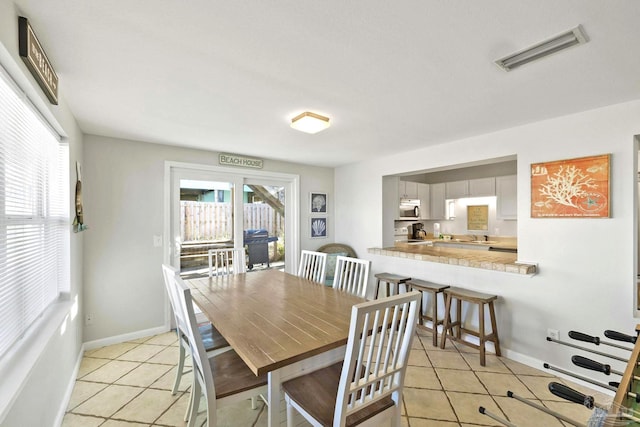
x: 34, y: 214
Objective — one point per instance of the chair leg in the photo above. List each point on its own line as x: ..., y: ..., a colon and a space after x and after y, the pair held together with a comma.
x: 195, y: 400
x: 481, y: 334
x: 254, y: 403
x: 447, y: 321
x: 179, y: 370
x: 289, y: 412
x: 494, y: 328
x: 435, y: 319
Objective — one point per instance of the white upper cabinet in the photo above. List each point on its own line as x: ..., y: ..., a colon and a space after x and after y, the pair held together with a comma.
x: 437, y: 205
x: 425, y: 203
x: 408, y: 189
x: 507, y: 197
x: 482, y: 187
x: 457, y: 189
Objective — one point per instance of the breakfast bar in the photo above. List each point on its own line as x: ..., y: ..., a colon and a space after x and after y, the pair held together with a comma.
x: 488, y: 260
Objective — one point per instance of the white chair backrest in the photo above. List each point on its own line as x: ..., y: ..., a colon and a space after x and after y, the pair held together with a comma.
x: 227, y: 261
x: 377, y: 353
x: 313, y: 266
x: 352, y: 275
x: 200, y: 360
x: 170, y: 276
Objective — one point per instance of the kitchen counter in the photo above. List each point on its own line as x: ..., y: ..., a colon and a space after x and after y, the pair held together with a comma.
x: 487, y: 260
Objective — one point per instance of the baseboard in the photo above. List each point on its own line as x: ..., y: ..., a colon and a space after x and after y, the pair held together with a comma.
x: 90, y: 345
x: 67, y: 395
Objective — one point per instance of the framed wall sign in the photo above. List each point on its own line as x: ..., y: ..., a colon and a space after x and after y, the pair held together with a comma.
x: 571, y: 188
x: 478, y: 217
x: 318, y: 227
x: 318, y: 202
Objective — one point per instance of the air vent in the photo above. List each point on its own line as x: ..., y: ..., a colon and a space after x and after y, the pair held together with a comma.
x: 572, y: 37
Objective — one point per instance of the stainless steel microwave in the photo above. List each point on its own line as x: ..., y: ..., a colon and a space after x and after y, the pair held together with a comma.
x: 409, y: 208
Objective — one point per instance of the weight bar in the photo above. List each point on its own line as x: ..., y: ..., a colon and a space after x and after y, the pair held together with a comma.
x: 595, y: 340
x: 573, y: 395
x: 619, y: 336
x: 622, y: 359
x: 546, y: 410
x: 501, y: 420
x: 589, y: 380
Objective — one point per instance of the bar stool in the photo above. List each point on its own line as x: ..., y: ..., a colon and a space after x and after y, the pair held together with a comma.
x: 434, y: 289
x: 388, y: 279
x: 460, y: 295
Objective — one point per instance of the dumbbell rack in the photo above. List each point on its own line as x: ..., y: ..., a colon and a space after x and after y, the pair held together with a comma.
x: 625, y: 408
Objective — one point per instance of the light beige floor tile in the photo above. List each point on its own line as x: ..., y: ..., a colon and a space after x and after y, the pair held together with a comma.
x: 444, y: 359
x: 82, y: 391
x: 141, y: 340
x: 90, y: 364
x: 111, y: 371
x: 574, y: 411
x: 168, y: 338
x: 418, y: 358
x: 431, y: 404
x: 457, y: 380
x: 466, y: 406
x: 421, y: 377
x: 428, y: 344
x: 144, y: 375
x: 240, y: 414
x: 523, y: 415
x: 112, y: 351
x: 493, y: 363
x: 175, y: 415
x: 166, y: 381
x: 464, y: 348
x: 522, y: 369
x: 108, y: 401
x: 498, y: 384
x: 168, y: 356
x: 147, y: 406
x: 114, y: 423
x: 421, y: 422
x: 142, y: 353
x: 75, y: 420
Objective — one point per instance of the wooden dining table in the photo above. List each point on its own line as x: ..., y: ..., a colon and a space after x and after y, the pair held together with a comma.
x: 278, y: 323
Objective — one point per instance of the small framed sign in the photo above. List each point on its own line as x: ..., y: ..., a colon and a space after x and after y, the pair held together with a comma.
x: 318, y: 228
x: 37, y: 62
x: 318, y: 202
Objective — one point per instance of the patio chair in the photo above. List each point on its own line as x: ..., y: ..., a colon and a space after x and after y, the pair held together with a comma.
x: 370, y: 380
x: 313, y: 266
x: 227, y: 261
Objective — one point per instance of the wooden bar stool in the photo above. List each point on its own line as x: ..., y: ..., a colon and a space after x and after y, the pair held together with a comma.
x: 388, y: 279
x: 434, y: 289
x: 460, y: 295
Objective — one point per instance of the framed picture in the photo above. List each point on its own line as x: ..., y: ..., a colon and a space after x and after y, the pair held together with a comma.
x: 318, y: 227
x: 574, y: 188
x: 318, y: 202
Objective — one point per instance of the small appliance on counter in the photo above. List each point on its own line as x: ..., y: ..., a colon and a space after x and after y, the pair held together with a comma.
x: 401, y: 234
x: 409, y: 208
x: 417, y: 231
x: 436, y: 230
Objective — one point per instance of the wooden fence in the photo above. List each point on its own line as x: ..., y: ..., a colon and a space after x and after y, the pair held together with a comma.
x: 204, y: 221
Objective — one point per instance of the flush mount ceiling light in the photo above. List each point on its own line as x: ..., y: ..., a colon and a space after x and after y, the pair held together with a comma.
x: 310, y: 122
x: 572, y: 37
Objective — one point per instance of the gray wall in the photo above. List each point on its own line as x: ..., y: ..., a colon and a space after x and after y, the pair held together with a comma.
x: 50, y: 378
x: 123, y: 190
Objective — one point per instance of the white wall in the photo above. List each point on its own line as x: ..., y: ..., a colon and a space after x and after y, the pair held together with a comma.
x: 49, y: 378
x: 586, y: 266
x: 123, y: 190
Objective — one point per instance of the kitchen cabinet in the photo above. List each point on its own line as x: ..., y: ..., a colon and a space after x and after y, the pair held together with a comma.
x: 437, y: 204
x: 423, y: 195
x: 407, y: 189
x: 482, y: 187
x: 457, y: 189
x: 507, y: 197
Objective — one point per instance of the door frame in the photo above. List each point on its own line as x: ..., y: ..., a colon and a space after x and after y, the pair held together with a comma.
x: 291, y: 182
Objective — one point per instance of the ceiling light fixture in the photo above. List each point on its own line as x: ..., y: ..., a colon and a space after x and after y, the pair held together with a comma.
x: 572, y: 37
x: 310, y: 122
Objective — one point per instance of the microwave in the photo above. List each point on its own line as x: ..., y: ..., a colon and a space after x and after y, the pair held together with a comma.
x: 409, y: 208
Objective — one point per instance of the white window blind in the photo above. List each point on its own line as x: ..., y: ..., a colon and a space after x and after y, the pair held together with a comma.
x: 34, y: 215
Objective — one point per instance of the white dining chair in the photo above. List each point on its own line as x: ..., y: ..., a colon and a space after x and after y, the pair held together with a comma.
x: 313, y: 266
x: 352, y: 275
x: 223, y: 379
x: 369, y: 382
x: 227, y: 261
x: 212, y: 340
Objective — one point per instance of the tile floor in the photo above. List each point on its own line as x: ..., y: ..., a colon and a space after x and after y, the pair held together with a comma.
x: 129, y: 384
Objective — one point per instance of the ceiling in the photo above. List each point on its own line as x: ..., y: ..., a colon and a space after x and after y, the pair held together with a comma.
x: 392, y: 76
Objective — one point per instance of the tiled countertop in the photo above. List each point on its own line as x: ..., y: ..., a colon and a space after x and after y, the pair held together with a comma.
x: 496, y: 261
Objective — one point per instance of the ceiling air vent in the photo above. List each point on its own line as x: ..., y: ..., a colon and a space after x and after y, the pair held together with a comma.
x: 572, y: 37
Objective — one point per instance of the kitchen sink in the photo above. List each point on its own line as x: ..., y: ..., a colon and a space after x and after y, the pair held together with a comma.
x: 422, y: 242
x: 487, y: 242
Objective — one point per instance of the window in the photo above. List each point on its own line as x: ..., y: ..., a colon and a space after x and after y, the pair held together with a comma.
x: 34, y: 215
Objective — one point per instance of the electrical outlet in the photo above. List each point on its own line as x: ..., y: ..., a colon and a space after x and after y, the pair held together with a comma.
x: 88, y: 320
x: 553, y: 333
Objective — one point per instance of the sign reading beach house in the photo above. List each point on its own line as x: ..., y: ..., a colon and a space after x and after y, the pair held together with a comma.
x: 233, y: 160
x: 33, y: 55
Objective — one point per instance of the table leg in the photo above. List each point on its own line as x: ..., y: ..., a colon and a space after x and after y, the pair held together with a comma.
x: 273, y: 398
